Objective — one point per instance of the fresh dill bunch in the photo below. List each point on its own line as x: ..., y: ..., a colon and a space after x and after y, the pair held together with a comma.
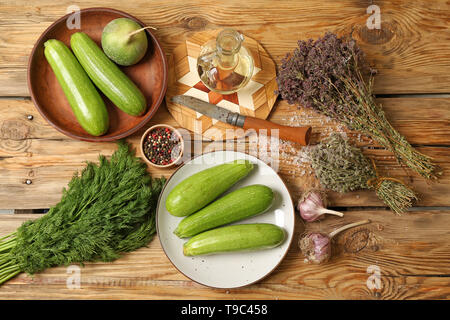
x: 106, y: 210
x: 342, y: 167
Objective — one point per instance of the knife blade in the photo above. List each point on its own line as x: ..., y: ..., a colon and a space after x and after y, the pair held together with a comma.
x: 300, y: 135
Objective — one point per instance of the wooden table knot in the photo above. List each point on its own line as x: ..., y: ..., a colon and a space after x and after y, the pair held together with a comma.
x: 14, y: 130
x: 14, y: 136
x: 357, y: 241
x: 195, y: 23
x: 376, y: 36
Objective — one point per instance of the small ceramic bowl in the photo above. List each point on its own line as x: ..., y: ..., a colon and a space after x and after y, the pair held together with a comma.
x: 181, y: 143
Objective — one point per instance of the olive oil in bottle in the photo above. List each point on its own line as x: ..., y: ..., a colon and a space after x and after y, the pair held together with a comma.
x: 224, y: 64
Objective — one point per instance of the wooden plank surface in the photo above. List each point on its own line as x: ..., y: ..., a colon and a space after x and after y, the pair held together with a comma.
x: 32, y: 149
x: 411, y: 50
x: 411, y: 253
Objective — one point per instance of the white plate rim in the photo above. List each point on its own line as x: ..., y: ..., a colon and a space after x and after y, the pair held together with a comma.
x: 204, y: 284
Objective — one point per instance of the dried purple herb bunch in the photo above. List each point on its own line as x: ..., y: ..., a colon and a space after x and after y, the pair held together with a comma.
x: 327, y: 76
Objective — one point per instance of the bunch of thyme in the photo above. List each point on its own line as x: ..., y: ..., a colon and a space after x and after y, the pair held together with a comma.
x: 106, y: 210
x: 327, y: 76
x: 342, y: 167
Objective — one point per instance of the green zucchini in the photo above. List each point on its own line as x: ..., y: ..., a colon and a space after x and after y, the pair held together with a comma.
x: 107, y: 76
x: 84, y: 99
x: 235, y: 206
x: 239, y: 237
x: 200, y: 189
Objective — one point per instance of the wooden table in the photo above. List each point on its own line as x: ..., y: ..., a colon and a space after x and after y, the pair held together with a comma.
x: 408, y: 256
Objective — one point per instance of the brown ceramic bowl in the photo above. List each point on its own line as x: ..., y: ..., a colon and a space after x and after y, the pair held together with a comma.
x: 149, y: 74
x: 173, y: 163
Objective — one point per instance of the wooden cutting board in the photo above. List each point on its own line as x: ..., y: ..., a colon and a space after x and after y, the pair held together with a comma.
x: 255, y: 99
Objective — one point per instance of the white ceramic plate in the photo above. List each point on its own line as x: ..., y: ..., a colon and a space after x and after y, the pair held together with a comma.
x: 237, y: 269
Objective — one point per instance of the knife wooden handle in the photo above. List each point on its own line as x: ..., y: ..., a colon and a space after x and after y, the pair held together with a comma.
x: 300, y: 135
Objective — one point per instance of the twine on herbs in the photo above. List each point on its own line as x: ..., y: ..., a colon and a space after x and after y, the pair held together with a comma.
x: 377, y: 180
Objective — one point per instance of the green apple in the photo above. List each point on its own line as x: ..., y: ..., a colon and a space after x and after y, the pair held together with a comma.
x: 124, y: 41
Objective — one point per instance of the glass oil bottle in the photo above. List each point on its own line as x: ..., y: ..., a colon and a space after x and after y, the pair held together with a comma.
x: 224, y: 64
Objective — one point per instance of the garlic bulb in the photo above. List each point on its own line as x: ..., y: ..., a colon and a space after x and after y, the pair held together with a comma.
x: 312, y: 206
x: 316, y: 246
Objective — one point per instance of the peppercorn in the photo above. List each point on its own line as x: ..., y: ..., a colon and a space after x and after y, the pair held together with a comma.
x: 161, y: 146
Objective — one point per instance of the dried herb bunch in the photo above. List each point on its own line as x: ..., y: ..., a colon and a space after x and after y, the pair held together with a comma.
x: 327, y: 76
x: 342, y: 167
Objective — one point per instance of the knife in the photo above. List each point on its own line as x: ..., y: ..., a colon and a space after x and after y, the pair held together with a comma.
x: 300, y: 135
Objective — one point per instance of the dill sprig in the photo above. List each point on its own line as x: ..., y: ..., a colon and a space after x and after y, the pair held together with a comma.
x: 326, y: 75
x: 106, y: 210
x: 342, y: 167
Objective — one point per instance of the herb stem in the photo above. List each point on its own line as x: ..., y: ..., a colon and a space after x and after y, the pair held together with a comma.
x: 5, y: 263
x: 9, y: 235
x: 4, y: 255
x: 7, y: 242
x: 7, y: 247
x: 8, y: 269
x: 11, y: 274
